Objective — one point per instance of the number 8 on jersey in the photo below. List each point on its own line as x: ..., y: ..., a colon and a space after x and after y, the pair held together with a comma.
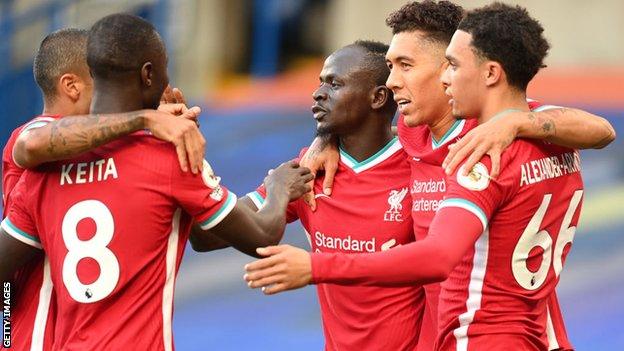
x: 95, y: 248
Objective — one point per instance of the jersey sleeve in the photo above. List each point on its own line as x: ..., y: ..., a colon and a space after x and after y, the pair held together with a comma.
x: 19, y: 222
x: 202, y: 196
x: 477, y: 192
x: 453, y: 231
x: 36, y: 123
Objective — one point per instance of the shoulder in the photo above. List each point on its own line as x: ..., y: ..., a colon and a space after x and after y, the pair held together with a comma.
x: 521, y: 150
x: 301, y: 153
x: 538, y: 106
x: 143, y: 140
x: 39, y: 121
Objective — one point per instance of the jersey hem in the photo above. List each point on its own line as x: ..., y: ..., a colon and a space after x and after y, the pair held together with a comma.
x: 466, y: 205
x: 256, y: 198
x: 216, y: 218
x: 19, y: 234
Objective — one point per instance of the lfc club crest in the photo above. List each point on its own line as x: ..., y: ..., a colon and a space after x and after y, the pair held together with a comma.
x: 394, y: 200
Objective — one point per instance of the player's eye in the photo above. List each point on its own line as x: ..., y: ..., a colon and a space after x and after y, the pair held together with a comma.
x: 405, y: 65
x: 389, y: 65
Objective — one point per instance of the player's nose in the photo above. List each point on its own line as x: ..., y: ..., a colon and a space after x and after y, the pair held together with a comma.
x: 319, y: 94
x: 393, y: 82
x: 445, y: 77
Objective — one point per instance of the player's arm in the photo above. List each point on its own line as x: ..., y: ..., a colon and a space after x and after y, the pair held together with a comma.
x: 19, y: 242
x: 70, y: 136
x: 562, y: 126
x: 205, y: 242
x: 13, y: 254
x: 573, y: 128
x: 247, y: 229
x: 452, y: 233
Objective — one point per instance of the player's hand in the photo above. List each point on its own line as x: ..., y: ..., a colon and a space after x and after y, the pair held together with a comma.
x: 490, y: 138
x: 172, y: 96
x: 172, y: 101
x: 181, y: 132
x: 322, y: 155
x: 180, y: 110
x: 290, y: 177
x: 284, y: 268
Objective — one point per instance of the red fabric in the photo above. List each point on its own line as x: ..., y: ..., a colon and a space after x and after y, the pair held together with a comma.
x: 429, y: 259
x: 357, y: 218
x: 510, y: 278
x: 139, y: 200
x: 28, y: 279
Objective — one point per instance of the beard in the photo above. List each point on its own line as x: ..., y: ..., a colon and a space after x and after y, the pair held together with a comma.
x: 323, y: 131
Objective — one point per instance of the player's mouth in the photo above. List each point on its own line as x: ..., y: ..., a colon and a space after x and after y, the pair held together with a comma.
x: 319, y: 112
x: 402, y: 102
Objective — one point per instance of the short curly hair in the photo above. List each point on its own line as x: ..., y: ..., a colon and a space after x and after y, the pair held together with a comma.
x: 438, y: 20
x: 508, y: 35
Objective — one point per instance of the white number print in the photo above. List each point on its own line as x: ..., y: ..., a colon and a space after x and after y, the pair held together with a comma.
x: 533, y: 237
x: 94, y: 248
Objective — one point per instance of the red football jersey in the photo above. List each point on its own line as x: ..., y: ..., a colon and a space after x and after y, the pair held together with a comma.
x: 11, y: 172
x: 114, y: 223
x: 33, y: 312
x: 428, y: 187
x: 496, y: 298
x: 368, y: 211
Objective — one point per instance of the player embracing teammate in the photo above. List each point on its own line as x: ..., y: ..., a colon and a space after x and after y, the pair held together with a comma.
x: 490, y: 230
x: 113, y: 258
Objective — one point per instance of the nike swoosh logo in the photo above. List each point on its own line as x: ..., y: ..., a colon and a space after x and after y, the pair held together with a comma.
x: 389, y: 244
x: 416, y: 159
x: 316, y: 196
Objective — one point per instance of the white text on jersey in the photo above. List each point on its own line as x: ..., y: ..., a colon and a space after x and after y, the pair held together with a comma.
x: 88, y: 172
x: 430, y: 186
x: 349, y: 244
x: 344, y: 244
x: 549, y: 167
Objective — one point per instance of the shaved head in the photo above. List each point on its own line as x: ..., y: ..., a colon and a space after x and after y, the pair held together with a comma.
x: 122, y: 43
x: 61, y: 52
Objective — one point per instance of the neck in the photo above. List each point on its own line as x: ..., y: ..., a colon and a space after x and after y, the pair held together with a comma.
x: 61, y: 108
x: 113, y: 97
x: 498, y: 102
x: 441, y: 125
x: 368, y: 139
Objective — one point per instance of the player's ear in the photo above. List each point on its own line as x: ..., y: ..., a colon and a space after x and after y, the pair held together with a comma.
x: 493, y: 73
x: 68, y: 86
x: 147, y: 71
x: 380, y: 95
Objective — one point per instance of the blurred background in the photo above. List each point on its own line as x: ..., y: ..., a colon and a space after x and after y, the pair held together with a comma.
x: 252, y: 66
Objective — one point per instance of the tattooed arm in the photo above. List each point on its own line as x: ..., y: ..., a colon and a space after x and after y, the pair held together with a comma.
x: 562, y: 126
x: 567, y: 127
x: 70, y: 136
